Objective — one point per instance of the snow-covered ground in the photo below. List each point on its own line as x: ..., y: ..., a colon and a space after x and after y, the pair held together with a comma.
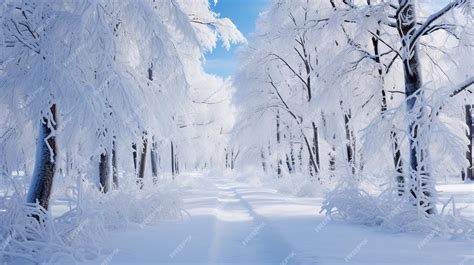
x: 229, y: 222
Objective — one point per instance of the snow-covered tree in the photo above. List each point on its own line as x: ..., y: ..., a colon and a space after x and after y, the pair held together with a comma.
x: 363, y: 62
x: 100, y: 80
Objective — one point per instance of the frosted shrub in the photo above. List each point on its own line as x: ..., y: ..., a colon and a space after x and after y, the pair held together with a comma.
x: 30, y: 233
x: 350, y: 203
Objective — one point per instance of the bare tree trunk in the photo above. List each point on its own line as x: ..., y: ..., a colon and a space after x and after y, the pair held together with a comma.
x: 350, y: 141
x: 153, y: 156
x: 288, y: 163
x: 150, y: 72
x: 278, y: 138
x: 176, y: 161
x: 43, y: 176
x: 300, y: 158
x: 141, y: 169
x: 279, y: 163
x: 173, y: 166
x: 397, y: 162
x: 421, y: 186
x: 312, y: 161
x: 115, y: 183
x: 232, y: 160
x: 226, y: 158
x: 135, y: 157
x: 470, y: 134
x: 292, y: 153
x: 310, y: 168
x: 316, y: 147
x: 264, y: 165
x: 104, y: 172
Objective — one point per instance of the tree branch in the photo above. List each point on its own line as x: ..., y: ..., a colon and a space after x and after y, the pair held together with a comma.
x: 291, y: 68
x: 420, y: 31
x: 462, y: 86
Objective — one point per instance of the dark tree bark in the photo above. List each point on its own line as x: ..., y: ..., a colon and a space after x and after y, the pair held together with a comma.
x: 469, y: 173
x: 277, y: 119
x: 316, y: 147
x: 173, y: 165
x: 176, y: 163
x: 141, y: 170
x: 418, y: 173
x: 292, y: 154
x: 350, y: 141
x: 150, y: 72
x: 264, y: 165
x: 115, y: 183
x: 375, y: 45
x: 104, y: 172
x: 300, y: 157
x: 226, y: 158
x: 154, y: 160
x: 288, y: 164
x: 232, y: 160
x: 332, y: 155
x: 397, y: 161
x: 279, y: 168
x: 43, y: 176
x: 278, y: 138
x: 135, y: 156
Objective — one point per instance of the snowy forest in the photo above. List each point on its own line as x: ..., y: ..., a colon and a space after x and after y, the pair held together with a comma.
x: 344, y: 135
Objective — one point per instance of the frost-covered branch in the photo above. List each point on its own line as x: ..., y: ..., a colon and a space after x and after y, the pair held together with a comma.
x: 291, y: 69
x: 426, y: 27
x: 462, y: 87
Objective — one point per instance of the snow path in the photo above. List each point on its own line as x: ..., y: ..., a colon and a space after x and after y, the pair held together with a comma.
x: 233, y: 223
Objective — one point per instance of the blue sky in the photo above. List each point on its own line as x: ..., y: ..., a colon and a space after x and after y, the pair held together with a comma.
x: 243, y: 13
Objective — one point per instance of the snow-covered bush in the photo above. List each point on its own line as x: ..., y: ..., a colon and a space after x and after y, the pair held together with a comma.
x: 28, y: 232
x: 350, y: 202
